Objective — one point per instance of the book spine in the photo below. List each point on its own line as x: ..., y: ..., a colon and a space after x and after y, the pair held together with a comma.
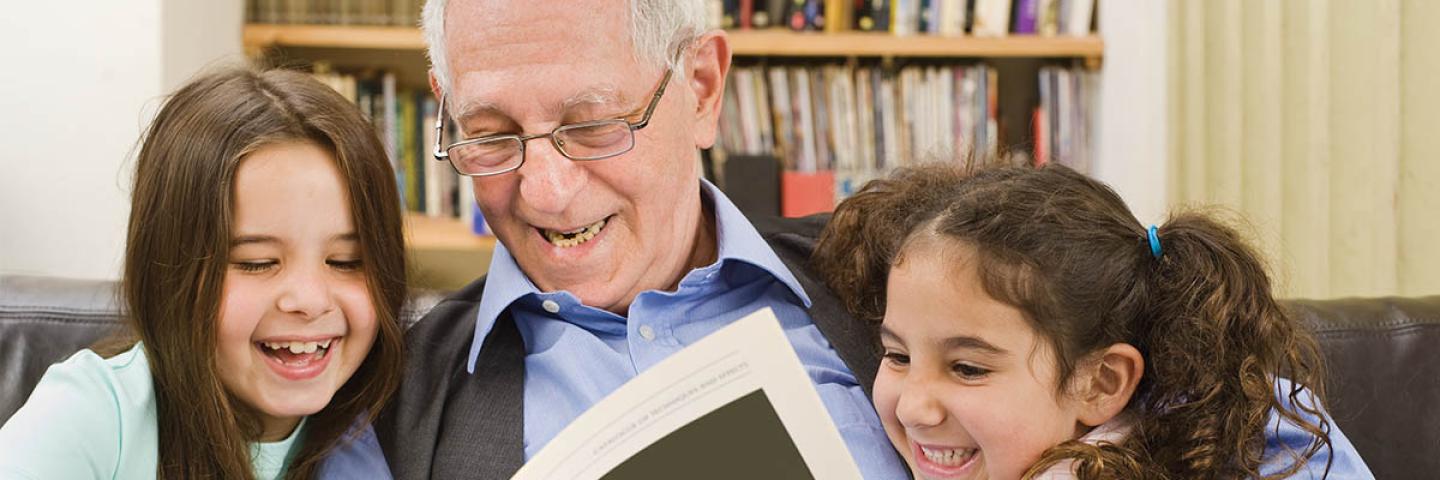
x: 992, y: 18
x: 1078, y: 17
x: 1026, y: 12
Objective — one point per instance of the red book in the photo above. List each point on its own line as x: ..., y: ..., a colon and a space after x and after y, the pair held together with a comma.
x: 1042, y: 136
x: 804, y: 194
x: 747, y: 9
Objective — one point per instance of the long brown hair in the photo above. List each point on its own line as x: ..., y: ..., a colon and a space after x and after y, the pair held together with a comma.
x: 1066, y: 251
x: 177, y: 254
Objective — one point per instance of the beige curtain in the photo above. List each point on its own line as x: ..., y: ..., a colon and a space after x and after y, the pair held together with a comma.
x: 1319, y: 121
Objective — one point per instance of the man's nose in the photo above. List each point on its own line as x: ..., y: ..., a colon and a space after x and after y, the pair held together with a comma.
x: 918, y: 405
x: 549, y: 181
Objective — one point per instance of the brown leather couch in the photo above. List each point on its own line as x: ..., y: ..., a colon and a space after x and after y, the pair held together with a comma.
x: 1383, y: 353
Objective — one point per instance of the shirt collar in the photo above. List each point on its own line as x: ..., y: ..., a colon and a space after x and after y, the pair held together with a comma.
x: 736, y: 240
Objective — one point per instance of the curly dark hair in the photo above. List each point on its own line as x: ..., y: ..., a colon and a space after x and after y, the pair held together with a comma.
x: 1065, y: 250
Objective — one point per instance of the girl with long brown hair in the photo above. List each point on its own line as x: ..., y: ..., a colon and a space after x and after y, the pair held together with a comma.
x: 1033, y: 328
x: 263, y: 278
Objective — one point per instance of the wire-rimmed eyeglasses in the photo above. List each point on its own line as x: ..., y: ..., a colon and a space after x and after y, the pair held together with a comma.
x: 497, y: 154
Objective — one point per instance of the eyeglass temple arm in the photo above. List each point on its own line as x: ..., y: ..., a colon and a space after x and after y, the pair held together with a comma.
x: 440, y: 153
x: 654, y: 101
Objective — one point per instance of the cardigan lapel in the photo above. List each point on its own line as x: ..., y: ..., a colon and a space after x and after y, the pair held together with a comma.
x: 482, y: 433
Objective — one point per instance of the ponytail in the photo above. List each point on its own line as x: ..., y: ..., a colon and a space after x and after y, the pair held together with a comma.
x: 1218, y: 342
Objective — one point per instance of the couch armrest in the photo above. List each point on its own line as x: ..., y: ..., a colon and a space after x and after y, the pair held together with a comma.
x: 1383, y: 361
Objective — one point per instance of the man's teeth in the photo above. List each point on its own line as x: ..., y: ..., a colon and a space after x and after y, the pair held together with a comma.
x: 952, y: 457
x: 574, y: 237
x: 298, y: 347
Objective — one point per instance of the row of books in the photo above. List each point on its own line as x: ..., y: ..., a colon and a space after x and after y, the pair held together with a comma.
x: 405, y: 121
x: 1062, y: 132
x: 859, y: 118
x: 827, y: 129
x: 335, y: 12
x: 909, y: 17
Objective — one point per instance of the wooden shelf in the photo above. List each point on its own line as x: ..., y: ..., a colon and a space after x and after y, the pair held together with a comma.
x: 861, y: 44
x: 742, y: 43
x: 430, y: 233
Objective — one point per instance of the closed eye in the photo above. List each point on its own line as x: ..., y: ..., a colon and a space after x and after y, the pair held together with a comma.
x: 255, y: 266
x: 345, y: 265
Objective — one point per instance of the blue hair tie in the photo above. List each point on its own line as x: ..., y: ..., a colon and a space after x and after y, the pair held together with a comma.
x: 1155, y: 250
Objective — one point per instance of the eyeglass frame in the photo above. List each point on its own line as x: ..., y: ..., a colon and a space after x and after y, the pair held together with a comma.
x: 443, y: 154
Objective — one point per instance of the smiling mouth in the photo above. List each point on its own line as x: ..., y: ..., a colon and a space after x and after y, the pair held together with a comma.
x: 575, y: 237
x: 296, y: 354
x: 948, y: 457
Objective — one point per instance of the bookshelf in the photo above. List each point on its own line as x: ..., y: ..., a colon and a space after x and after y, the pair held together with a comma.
x: 446, y: 255
x: 753, y: 43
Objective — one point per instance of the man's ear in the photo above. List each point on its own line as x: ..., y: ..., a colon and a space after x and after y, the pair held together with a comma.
x: 1108, y: 380
x: 435, y: 85
x: 705, y: 75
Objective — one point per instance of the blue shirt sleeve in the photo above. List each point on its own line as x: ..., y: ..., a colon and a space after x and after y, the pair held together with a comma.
x: 1283, y: 436
x: 360, y: 457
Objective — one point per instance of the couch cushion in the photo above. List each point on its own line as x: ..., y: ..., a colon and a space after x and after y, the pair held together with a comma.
x: 1383, y: 357
x: 43, y: 321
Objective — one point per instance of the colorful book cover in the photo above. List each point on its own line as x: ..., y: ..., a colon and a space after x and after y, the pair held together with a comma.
x: 1026, y: 13
x: 804, y: 194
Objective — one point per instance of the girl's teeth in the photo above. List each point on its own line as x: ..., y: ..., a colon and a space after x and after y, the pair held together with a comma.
x: 298, y: 347
x: 953, y: 457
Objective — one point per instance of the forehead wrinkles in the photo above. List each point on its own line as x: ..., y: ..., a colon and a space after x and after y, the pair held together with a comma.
x: 494, y: 36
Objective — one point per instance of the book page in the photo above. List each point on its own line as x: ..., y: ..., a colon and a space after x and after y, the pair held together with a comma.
x: 736, y: 404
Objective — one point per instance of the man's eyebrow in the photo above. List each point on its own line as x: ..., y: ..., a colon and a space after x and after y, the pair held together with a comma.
x: 605, y: 95
x: 473, y: 108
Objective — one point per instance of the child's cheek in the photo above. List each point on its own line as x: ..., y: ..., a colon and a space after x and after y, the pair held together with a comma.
x: 888, y: 384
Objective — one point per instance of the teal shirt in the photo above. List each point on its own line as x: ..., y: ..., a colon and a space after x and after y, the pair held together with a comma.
x: 91, y: 417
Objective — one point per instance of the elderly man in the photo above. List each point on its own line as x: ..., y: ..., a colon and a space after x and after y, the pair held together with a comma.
x: 580, y: 124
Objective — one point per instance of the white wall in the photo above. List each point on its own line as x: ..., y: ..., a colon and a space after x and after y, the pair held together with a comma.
x: 82, y: 79
x: 1133, y: 141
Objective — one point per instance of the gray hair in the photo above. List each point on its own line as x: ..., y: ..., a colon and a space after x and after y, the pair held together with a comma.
x: 657, y: 28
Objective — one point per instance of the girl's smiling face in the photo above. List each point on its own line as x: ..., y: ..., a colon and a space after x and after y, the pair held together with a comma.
x: 296, y: 319
x: 967, y: 388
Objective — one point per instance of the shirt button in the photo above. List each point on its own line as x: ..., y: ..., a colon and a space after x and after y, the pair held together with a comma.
x: 550, y: 306
x: 647, y: 333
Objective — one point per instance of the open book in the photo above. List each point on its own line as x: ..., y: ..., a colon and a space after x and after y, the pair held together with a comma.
x: 736, y: 404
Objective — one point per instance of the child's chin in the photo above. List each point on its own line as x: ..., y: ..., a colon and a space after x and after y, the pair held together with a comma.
x: 297, y: 404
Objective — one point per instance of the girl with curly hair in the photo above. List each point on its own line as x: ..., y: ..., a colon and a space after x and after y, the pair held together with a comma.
x: 1032, y: 327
